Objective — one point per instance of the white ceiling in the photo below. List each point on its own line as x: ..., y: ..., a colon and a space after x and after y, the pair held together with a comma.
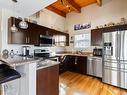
x: 25, y: 7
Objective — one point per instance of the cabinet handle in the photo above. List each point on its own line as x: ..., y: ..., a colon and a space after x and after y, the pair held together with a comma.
x: 28, y: 39
x: 76, y: 60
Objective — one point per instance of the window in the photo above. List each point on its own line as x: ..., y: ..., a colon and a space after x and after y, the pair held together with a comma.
x: 82, y: 40
x: 60, y: 40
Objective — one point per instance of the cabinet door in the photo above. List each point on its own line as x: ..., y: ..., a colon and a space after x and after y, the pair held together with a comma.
x: 33, y: 37
x: 48, y: 81
x: 81, y: 66
x: 42, y: 82
x: 19, y: 38
x: 96, y: 37
x: 71, y: 63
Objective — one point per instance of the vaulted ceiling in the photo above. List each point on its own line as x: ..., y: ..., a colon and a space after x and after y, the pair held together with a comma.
x: 62, y: 7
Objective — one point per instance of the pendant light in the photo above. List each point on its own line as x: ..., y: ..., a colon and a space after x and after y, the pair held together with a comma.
x: 14, y: 28
x: 23, y: 24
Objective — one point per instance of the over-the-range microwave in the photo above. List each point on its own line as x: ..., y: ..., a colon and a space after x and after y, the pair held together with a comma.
x: 46, y: 40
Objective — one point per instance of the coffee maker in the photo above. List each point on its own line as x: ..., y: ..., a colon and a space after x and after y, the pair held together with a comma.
x: 25, y: 50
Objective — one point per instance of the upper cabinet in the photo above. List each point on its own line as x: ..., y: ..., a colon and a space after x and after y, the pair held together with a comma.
x: 96, y: 34
x: 96, y: 37
x: 31, y: 35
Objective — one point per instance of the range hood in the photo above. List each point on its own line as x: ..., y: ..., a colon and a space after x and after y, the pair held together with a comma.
x: 26, y: 7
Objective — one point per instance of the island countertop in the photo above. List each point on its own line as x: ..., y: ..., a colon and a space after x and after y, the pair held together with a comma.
x: 18, y: 60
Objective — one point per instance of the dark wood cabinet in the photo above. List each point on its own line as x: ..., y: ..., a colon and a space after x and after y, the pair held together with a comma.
x: 23, y: 36
x: 96, y: 37
x: 48, y: 81
x: 96, y: 34
x: 81, y: 66
x: 72, y: 63
x: 31, y: 35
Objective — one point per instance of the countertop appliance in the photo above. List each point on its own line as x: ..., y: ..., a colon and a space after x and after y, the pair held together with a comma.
x: 25, y: 50
x: 94, y: 66
x: 97, y: 52
x: 45, y: 54
x: 46, y: 40
x: 115, y: 58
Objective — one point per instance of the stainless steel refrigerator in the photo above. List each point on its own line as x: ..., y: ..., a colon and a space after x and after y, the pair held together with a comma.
x: 115, y: 58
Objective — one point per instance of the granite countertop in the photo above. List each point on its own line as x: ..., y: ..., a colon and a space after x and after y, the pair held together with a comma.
x: 17, y: 60
x: 46, y: 63
x: 75, y: 54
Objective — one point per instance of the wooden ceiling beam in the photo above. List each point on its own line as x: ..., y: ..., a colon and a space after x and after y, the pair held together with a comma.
x: 57, y: 11
x: 73, y: 5
x: 99, y: 2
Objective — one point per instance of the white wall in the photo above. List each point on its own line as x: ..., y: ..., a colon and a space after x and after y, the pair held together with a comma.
x: 50, y: 19
x: 111, y: 11
x: 0, y: 30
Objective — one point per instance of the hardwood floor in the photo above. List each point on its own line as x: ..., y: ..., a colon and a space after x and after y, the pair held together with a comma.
x: 76, y: 84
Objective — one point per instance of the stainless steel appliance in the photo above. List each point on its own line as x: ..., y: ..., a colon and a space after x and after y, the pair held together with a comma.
x: 25, y: 50
x: 115, y: 58
x: 45, y: 54
x: 94, y: 66
x: 46, y: 40
x: 97, y: 52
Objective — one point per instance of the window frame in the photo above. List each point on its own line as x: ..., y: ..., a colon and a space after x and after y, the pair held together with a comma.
x: 82, y: 47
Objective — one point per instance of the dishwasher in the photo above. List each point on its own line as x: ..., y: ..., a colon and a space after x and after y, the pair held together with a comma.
x: 94, y: 66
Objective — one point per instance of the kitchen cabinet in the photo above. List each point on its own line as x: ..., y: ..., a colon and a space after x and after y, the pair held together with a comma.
x: 48, y: 81
x: 96, y: 37
x: 23, y: 36
x: 63, y: 66
x: 31, y: 35
x: 76, y: 64
x: 96, y: 34
x: 81, y: 66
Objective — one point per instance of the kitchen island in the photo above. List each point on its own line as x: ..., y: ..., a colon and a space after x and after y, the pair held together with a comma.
x: 27, y: 67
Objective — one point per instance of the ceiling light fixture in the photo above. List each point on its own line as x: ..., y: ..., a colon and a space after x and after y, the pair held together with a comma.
x: 64, y: 3
x: 67, y: 6
x: 13, y: 27
x: 69, y: 9
x: 23, y: 24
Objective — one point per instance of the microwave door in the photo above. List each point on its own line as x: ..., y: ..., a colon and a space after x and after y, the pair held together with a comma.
x: 111, y: 37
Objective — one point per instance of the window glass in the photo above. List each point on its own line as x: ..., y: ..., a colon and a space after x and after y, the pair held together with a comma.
x: 82, y: 40
x: 60, y: 40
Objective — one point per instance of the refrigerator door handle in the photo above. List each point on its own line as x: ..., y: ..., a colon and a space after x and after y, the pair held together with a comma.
x: 116, y: 42
x: 119, y: 45
x: 123, y: 44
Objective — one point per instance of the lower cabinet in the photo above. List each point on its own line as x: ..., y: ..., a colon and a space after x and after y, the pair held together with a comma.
x: 48, y: 81
x: 72, y: 63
